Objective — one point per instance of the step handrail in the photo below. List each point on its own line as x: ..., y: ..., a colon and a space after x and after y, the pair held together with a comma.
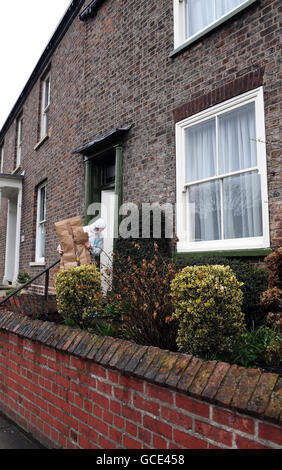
x: 46, y: 272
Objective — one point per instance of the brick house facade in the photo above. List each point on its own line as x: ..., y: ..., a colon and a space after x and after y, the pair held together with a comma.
x: 116, y: 89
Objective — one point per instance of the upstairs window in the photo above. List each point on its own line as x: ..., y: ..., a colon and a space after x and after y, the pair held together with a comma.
x: 19, y: 142
x: 195, y: 17
x: 2, y: 159
x: 45, y: 106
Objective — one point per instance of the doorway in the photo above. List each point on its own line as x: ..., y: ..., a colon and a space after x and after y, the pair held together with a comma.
x: 108, y: 211
x: 11, y: 189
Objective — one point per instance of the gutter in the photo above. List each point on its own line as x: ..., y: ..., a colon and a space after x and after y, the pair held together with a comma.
x: 63, y: 26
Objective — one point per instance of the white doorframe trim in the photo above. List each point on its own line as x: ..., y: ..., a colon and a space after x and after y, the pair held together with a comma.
x: 5, y: 280
x: 18, y: 235
x: 16, y: 247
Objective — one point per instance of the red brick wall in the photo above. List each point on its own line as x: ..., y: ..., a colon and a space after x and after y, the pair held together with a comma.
x: 74, y: 390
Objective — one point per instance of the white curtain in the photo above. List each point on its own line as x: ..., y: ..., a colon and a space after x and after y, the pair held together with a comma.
x: 242, y: 206
x: 204, y: 210
x: 241, y: 193
x: 237, y: 139
x: 225, y: 6
x: 204, y: 199
x: 201, y: 151
x: 199, y: 14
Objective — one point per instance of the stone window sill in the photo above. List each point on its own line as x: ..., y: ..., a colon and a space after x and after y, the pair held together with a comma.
x: 37, y: 263
x: 41, y: 142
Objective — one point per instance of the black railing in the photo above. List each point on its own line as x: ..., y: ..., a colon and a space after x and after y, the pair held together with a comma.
x: 47, y: 277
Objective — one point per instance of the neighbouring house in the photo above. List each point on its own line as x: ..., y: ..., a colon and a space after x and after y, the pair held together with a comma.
x: 169, y: 101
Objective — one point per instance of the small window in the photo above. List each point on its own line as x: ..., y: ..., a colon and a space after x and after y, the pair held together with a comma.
x: 19, y: 142
x: 221, y: 177
x: 195, y: 17
x: 41, y: 223
x: 2, y: 159
x: 45, y: 106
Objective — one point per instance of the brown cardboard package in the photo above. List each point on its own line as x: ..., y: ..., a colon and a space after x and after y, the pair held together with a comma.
x: 72, y: 240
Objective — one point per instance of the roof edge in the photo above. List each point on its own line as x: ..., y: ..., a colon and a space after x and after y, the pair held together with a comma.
x: 91, y: 10
x: 56, y: 38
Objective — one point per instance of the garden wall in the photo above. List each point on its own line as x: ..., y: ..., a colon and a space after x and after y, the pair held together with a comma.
x: 72, y: 389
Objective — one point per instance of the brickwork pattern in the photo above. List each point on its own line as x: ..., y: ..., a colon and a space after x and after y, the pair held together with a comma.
x: 115, y: 70
x: 71, y: 389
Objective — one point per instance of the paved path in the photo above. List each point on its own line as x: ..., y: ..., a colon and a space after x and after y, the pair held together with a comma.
x: 12, y: 437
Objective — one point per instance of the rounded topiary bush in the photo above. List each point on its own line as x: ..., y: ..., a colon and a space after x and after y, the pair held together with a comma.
x: 79, y: 293
x: 207, y: 301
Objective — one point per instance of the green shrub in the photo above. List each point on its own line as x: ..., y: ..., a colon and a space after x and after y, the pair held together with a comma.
x: 10, y: 291
x: 23, y: 277
x: 138, y: 249
x: 207, y: 302
x: 79, y: 294
x: 254, y: 281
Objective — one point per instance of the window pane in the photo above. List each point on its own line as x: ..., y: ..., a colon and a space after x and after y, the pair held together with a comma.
x: 200, y: 151
x: 42, y: 241
x: 204, y: 211
x: 19, y: 131
x: 42, y: 204
x: 242, y: 206
x: 237, y: 144
x: 225, y: 6
x: 46, y: 122
x: 47, y: 92
x: 199, y: 14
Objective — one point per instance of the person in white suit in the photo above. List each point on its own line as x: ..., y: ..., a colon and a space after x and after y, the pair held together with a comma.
x: 96, y: 241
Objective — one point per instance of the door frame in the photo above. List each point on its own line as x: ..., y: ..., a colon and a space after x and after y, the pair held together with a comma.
x: 16, y: 244
x: 11, y: 188
x: 91, y: 175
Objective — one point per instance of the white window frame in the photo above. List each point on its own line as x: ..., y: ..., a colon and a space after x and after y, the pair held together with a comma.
x: 2, y: 159
x: 180, y: 39
x: 39, y: 222
x: 45, y: 106
x: 19, y: 141
x: 182, y: 224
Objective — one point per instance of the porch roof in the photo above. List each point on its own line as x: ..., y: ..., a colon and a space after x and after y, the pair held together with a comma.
x: 113, y: 137
x: 10, y: 184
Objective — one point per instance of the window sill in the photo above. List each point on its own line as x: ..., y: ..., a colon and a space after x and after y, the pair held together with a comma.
x: 37, y: 263
x: 209, y: 28
x: 41, y: 142
x: 226, y: 253
x: 16, y: 170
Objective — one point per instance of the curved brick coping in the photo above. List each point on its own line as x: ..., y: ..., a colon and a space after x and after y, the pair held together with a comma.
x: 248, y: 391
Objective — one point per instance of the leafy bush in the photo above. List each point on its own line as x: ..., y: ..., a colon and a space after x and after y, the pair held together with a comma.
x: 140, y: 248
x: 23, y: 277
x: 271, y: 300
x: 254, y: 281
x: 10, y: 291
x: 274, y: 265
x: 141, y: 296
x: 208, y: 304
x: 257, y: 347
x: 107, y: 322
x: 79, y: 294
